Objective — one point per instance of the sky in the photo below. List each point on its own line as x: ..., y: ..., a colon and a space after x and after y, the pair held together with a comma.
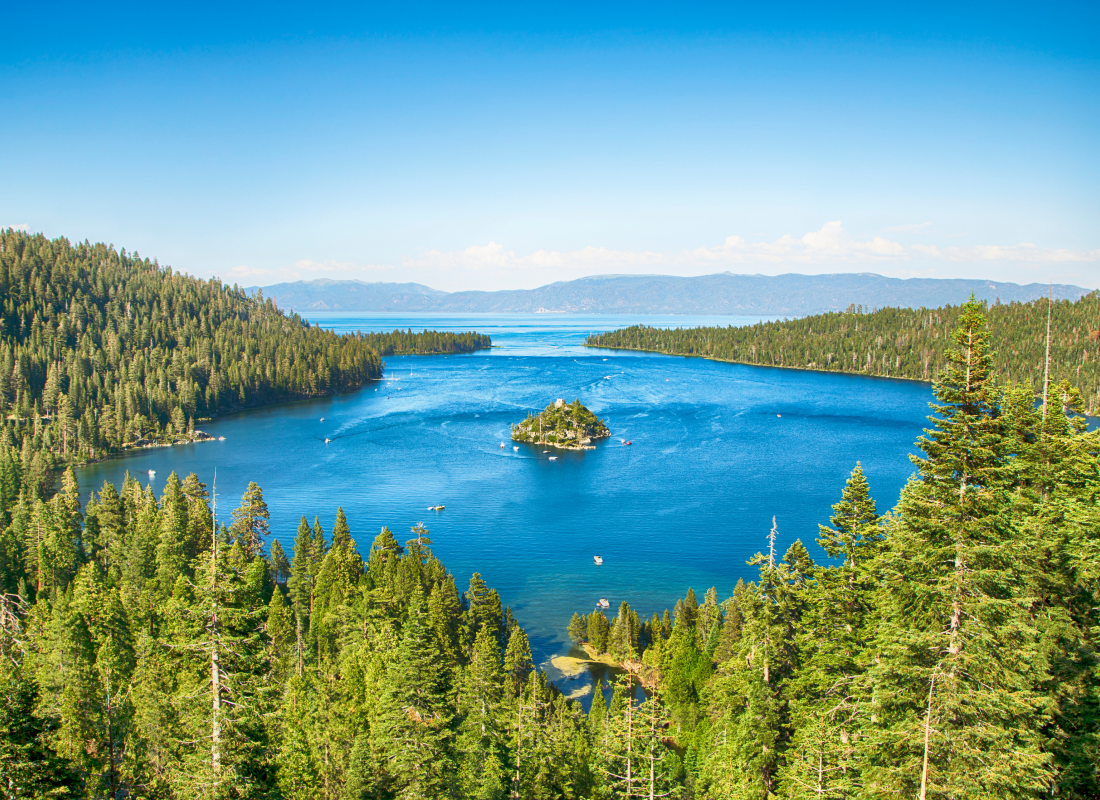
x: 492, y: 147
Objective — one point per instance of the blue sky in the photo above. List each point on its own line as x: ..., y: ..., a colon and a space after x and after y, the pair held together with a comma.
x: 496, y: 147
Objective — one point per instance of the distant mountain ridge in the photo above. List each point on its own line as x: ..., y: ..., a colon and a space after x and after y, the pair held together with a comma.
x: 722, y: 293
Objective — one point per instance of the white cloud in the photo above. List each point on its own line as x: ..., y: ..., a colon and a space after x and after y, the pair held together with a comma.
x: 25, y: 227
x: 828, y: 249
x: 831, y: 244
x: 908, y: 228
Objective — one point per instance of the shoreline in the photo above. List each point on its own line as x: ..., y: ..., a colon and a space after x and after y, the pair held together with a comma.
x: 565, y: 446
x: 750, y: 364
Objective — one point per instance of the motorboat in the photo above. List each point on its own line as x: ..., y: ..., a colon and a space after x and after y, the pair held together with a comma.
x: 327, y: 441
x: 515, y: 447
x: 152, y: 473
x: 553, y: 458
x: 598, y: 559
x: 603, y: 603
x: 435, y: 508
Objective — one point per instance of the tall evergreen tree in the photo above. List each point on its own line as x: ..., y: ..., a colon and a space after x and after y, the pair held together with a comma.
x: 954, y: 710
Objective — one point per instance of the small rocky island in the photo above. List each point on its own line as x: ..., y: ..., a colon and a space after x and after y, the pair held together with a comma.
x: 569, y: 426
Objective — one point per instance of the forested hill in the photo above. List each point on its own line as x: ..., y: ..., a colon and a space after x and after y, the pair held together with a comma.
x: 898, y: 342
x: 101, y: 349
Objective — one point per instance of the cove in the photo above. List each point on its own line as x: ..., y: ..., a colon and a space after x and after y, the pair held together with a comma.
x: 718, y: 449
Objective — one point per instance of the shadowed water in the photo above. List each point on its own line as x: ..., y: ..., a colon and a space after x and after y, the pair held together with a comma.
x: 718, y: 449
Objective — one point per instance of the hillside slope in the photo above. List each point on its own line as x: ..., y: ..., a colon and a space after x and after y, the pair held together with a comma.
x: 101, y: 350
x: 898, y: 343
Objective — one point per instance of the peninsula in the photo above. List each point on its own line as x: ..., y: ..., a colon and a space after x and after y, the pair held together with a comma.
x: 569, y: 426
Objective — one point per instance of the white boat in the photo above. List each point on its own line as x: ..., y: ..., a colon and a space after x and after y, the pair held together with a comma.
x: 327, y: 441
x: 221, y: 438
x: 502, y: 445
x: 152, y: 473
x: 515, y: 447
x: 323, y: 419
x: 545, y: 451
x: 598, y: 559
x: 603, y: 603
x: 553, y: 458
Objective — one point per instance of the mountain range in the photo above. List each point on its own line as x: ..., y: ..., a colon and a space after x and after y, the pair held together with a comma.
x: 723, y: 293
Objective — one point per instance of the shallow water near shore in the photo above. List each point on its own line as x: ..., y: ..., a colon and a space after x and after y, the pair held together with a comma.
x: 718, y: 449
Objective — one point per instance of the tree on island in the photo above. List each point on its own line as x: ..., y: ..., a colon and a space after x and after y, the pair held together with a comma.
x: 561, y: 424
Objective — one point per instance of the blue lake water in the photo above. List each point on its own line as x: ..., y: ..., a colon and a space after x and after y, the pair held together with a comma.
x: 718, y: 449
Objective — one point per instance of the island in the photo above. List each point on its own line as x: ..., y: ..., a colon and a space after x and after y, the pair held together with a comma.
x: 569, y: 426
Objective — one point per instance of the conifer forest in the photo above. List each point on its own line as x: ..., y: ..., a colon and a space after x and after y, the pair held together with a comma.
x: 899, y: 342
x: 101, y: 351
x: 168, y: 647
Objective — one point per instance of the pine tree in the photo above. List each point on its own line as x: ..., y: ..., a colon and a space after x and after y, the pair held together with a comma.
x: 481, y: 764
x: 28, y: 765
x: 250, y: 526
x: 955, y: 712
x: 828, y: 692
x: 518, y: 664
x: 279, y: 565
x: 578, y: 629
x: 413, y: 729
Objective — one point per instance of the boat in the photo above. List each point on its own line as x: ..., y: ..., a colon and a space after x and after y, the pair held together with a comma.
x: 545, y: 451
x: 322, y: 419
x: 502, y: 445
x: 152, y: 473
x: 603, y: 603
x: 629, y: 443
x: 623, y: 441
x: 515, y: 447
x: 779, y: 415
x: 598, y: 559
x: 435, y: 508
x: 327, y: 441
x: 221, y: 438
x: 553, y: 458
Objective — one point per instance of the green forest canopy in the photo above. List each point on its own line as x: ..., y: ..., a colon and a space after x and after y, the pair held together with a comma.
x: 100, y: 348
x: 898, y: 342
x: 947, y: 649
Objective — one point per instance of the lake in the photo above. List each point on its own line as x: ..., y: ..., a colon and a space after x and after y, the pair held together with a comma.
x: 718, y: 449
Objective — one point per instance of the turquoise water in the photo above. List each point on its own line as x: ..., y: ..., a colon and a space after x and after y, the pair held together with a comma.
x: 718, y: 449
